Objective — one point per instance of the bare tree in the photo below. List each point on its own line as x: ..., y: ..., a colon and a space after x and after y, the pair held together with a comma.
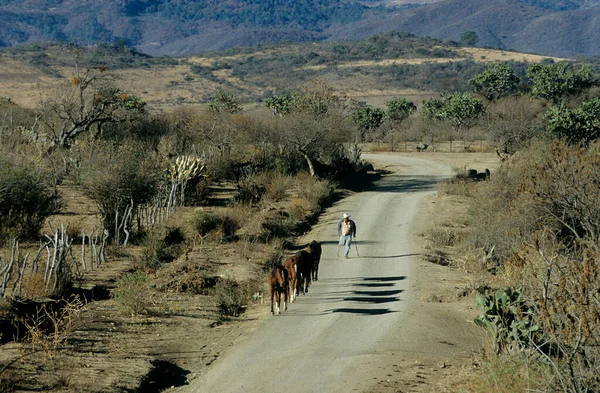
x: 89, y: 100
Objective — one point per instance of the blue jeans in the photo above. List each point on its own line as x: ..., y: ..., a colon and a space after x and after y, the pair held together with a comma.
x: 346, y: 241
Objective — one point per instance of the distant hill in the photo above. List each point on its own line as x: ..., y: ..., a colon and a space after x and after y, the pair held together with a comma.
x: 528, y: 26
x: 179, y: 27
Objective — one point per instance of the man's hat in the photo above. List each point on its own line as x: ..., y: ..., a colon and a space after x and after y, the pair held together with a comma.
x: 346, y: 215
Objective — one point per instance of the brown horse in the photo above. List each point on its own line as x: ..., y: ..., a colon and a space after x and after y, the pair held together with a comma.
x: 290, y: 265
x: 278, y: 285
x: 314, y: 248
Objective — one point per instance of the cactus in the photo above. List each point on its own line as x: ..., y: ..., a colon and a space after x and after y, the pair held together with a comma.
x: 507, y: 319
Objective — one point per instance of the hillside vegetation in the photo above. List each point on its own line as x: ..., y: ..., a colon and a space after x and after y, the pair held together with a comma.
x: 381, y: 66
x: 553, y: 28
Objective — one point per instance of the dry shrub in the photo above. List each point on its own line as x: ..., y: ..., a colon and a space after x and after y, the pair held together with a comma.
x: 251, y: 188
x: 34, y: 286
x: 74, y: 229
x: 502, y: 217
x: 541, y: 215
x: 456, y: 186
x: 565, y: 188
x: 564, y: 288
x: 514, y: 121
x: 133, y: 294
x: 205, y: 223
x: 300, y: 208
x: 189, y: 278
x: 49, y: 329
x: 162, y: 247
x: 231, y: 297
x: 228, y: 228
x: 240, y: 213
x: 278, y: 227
x: 277, y: 187
x: 115, y: 179
x: 316, y: 192
x: 507, y: 374
x: 446, y: 237
x: 9, y: 380
x: 223, y: 225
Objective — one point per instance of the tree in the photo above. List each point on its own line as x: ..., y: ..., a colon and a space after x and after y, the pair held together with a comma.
x: 89, y: 101
x: 366, y: 119
x: 555, y: 81
x: 398, y: 110
x: 26, y: 199
x: 578, y: 126
x: 512, y: 122
x: 498, y: 80
x: 315, y: 125
x: 469, y: 38
x: 224, y: 102
x: 460, y: 109
x: 281, y: 104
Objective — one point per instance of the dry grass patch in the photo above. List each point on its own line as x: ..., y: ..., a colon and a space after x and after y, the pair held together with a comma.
x: 506, y: 374
x: 494, y: 55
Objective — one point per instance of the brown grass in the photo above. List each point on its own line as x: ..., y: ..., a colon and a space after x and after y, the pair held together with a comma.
x: 494, y: 55
x: 506, y: 375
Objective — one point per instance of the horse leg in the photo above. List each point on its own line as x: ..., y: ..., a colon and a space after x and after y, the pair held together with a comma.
x: 272, y: 298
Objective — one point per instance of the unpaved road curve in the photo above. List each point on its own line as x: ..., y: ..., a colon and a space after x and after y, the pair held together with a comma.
x: 325, y: 339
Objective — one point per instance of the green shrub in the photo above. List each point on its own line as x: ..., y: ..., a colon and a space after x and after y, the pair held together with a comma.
x: 250, y: 190
x: 160, y: 250
x: 229, y: 226
x: 226, y: 225
x: 231, y: 298
x: 117, y: 180
x: 278, y: 227
x: 174, y: 236
x: 26, y: 200
x: 133, y: 293
x: 205, y: 222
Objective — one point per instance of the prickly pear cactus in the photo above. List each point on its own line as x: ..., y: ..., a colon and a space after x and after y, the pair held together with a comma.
x: 507, y: 319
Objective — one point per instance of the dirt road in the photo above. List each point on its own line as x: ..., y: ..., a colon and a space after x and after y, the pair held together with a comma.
x: 331, y: 338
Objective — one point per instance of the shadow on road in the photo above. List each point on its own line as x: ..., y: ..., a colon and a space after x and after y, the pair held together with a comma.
x: 361, y: 311
x: 371, y: 299
x: 379, y: 293
x: 347, y: 291
x: 410, y: 183
x: 389, y: 256
x: 325, y: 242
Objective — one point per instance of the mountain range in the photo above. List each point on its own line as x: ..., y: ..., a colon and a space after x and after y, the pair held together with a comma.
x: 566, y: 28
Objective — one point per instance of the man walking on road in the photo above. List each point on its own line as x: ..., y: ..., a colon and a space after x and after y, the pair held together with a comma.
x: 346, y: 232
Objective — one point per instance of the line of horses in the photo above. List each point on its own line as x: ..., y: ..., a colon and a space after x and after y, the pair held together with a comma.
x: 295, y: 275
